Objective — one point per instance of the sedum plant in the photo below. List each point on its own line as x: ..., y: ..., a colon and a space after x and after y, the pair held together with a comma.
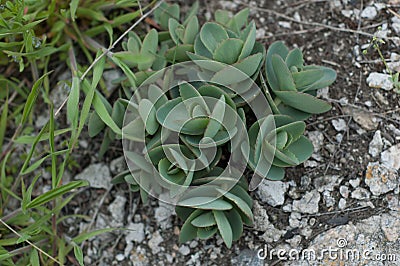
x: 210, y: 117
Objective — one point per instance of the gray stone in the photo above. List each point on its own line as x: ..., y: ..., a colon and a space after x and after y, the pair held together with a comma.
x: 308, y: 203
x: 109, y: 77
x: 339, y: 124
x: 317, y: 139
x: 272, y: 192
x: 154, y: 242
x: 120, y: 257
x: 360, y: 194
x: 184, y: 250
x: 118, y: 165
x: 327, y: 183
x: 262, y: 223
x: 381, y: 179
x: 344, y: 191
x: 328, y: 199
x: 164, y: 212
x: 380, y: 81
x: 369, y: 12
x: 136, y: 234
x: 98, y: 175
x: 117, y: 210
x: 376, y: 144
x: 396, y: 24
x: 391, y: 157
x: 355, y: 182
x: 342, y: 204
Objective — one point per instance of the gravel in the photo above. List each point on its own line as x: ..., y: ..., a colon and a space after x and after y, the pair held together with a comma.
x: 381, y: 179
x: 308, y: 203
x: 391, y: 157
x: 376, y: 145
x: 272, y: 192
x: 379, y: 81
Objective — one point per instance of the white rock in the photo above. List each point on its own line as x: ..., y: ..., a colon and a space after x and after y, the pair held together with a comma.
x: 327, y: 183
x: 380, y: 81
x: 380, y: 179
x: 396, y: 24
x: 355, y: 182
x: 262, y: 223
x: 344, y: 191
x: 360, y: 194
x: 347, y: 13
x: 285, y: 24
x: 184, y: 250
x: 391, y: 157
x: 308, y: 203
x: 154, y: 242
x: 272, y: 192
x: 328, y: 199
x: 369, y: 12
x: 342, y: 204
x: 98, y: 175
x: 164, y: 212
x: 118, y: 165
x: 376, y: 145
x: 120, y: 257
x: 117, y: 210
x: 317, y: 139
x: 136, y: 234
x: 339, y: 124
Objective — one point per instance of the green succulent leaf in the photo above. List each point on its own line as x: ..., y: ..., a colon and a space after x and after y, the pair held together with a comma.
x: 148, y: 114
x: 228, y: 51
x: 303, y: 102
x: 295, y: 59
x: 204, y: 220
x: 205, y: 233
x: 211, y: 203
x: 224, y: 227
x: 211, y: 35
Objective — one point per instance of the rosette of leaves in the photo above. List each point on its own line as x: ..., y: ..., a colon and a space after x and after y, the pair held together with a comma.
x: 276, y: 142
x: 203, y: 117
x: 293, y: 84
x: 238, y: 49
x: 211, y: 209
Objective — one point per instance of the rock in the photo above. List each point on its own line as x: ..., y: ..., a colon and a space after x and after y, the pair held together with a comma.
x: 380, y: 179
x: 365, y: 120
x: 393, y: 202
x: 98, y: 175
x: 369, y: 12
x: 247, y: 257
x: 376, y: 145
x: 391, y: 157
x: 380, y: 81
x: 375, y: 235
x: 120, y: 257
x: 342, y: 204
x: 327, y: 183
x: 60, y: 93
x: 360, y: 194
x: 154, y: 242
x: 164, y: 212
x: 117, y: 210
x: 339, y: 124
x: 355, y: 182
x: 317, y: 139
x: 272, y: 192
x: 344, y: 191
x: 118, y: 165
x: 262, y: 223
x: 285, y: 24
x: 396, y: 24
x: 308, y: 203
x: 184, y: 250
x: 347, y: 13
x: 328, y: 199
x: 136, y: 234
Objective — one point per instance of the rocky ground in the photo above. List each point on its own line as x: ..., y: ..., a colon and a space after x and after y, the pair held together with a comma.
x: 346, y: 197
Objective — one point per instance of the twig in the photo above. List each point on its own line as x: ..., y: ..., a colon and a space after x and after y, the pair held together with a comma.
x: 293, y: 33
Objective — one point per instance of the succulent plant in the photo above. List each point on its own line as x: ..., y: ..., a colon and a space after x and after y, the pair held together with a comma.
x: 277, y: 140
x: 211, y: 209
x: 177, y: 131
x: 294, y: 84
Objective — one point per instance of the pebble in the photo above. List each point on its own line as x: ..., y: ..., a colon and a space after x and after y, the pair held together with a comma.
x: 391, y: 157
x: 344, y: 191
x: 285, y: 24
x: 184, y: 250
x: 272, y: 192
x: 369, y: 12
x: 154, y: 242
x: 117, y: 210
x: 396, y: 24
x: 98, y: 175
x: 364, y: 119
x: 380, y: 179
x: 164, y: 212
x: 339, y: 124
x: 376, y: 145
x: 328, y: 199
x: 342, y: 204
x: 380, y: 81
x: 262, y: 223
x: 355, y: 182
x: 136, y: 234
x: 360, y: 194
x: 327, y: 183
x: 120, y: 257
x: 308, y: 203
x: 118, y: 165
x: 317, y: 139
